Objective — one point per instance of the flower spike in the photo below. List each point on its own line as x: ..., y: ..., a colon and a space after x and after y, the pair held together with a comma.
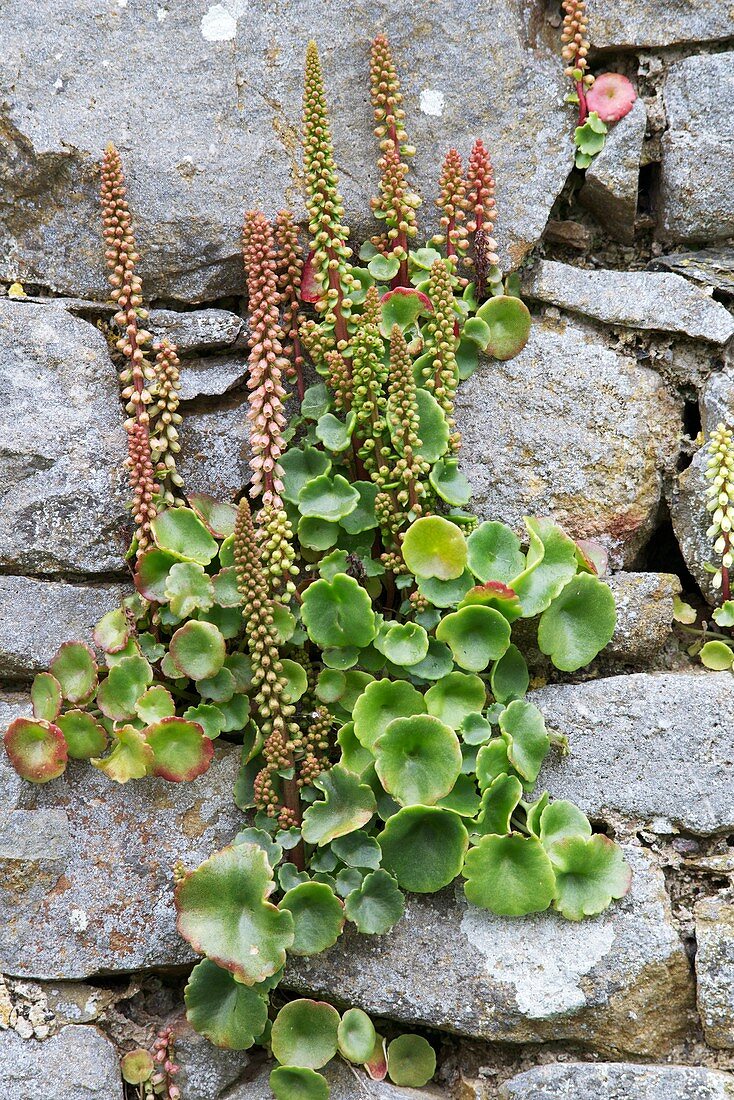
x: 290, y: 271
x: 720, y: 502
x: 480, y: 197
x: 453, y: 203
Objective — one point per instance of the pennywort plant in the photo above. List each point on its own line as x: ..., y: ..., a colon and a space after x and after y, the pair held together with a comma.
x: 600, y: 100
x: 349, y: 622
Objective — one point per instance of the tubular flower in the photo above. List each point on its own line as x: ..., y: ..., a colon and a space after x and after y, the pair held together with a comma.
x: 442, y: 376
x: 122, y: 256
x: 290, y: 270
x: 396, y: 204
x: 453, y: 203
x: 330, y: 254
x: 274, y: 715
x: 164, y: 421
x: 720, y: 502
x: 480, y: 197
x: 267, y: 362
x: 575, y: 50
x: 410, y: 469
x: 369, y: 375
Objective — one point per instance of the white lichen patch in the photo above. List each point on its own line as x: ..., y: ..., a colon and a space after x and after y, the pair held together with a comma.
x: 219, y: 24
x: 432, y: 102
x: 78, y: 920
x: 545, y: 960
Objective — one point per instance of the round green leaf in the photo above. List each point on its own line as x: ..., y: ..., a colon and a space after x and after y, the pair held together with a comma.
x: 338, y: 612
x: 37, y: 749
x: 467, y: 357
x: 561, y: 819
x: 154, y: 704
x: 402, y: 306
x: 435, y: 547
x: 224, y: 913
x: 383, y: 268
x: 181, y: 532
x: 46, y: 697
x: 118, y: 695
x: 84, y: 737
x: 137, y: 1066
x: 437, y: 663
x: 510, y: 875
x: 292, y: 1083
x: 210, y: 718
x: 180, y: 749
x: 151, y: 574
x: 418, y: 759
x: 131, y: 756
x: 316, y: 401
x: 305, y: 1034
x: 226, y: 1012
x: 449, y: 482
x: 475, y: 729
x: 327, y: 497
x: 317, y: 534
x: 494, y: 552
x: 499, y: 802
x: 578, y: 624
x: 264, y: 840
x: 475, y: 635
x: 424, y: 847
x: 335, y: 434
x: 491, y: 762
x: 318, y: 917
x: 296, y: 680
x: 454, y: 697
x: 717, y: 656
x: 510, y: 677
x: 405, y: 644
x: 376, y: 904
x: 219, y: 688
x: 358, y: 850
x: 348, y: 805
x: 523, y: 730
x: 187, y: 588
x: 356, y: 1036
x: 380, y: 703
x: 363, y: 517
x: 354, y: 757
x: 463, y: 798
x: 299, y: 466
x: 589, y: 874
x: 75, y: 670
x: 551, y: 563
x: 445, y: 593
x: 224, y: 586
x: 112, y: 631
x: 198, y: 650
x: 433, y: 428
x: 509, y: 324
x: 411, y: 1061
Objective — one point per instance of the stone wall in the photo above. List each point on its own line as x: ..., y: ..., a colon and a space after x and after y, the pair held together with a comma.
x: 630, y: 280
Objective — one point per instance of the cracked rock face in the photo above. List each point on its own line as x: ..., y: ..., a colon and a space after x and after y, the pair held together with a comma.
x: 652, y: 748
x: 619, y: 981
x: 622, y: 1081
x: 570, y: 428
x: 86, y: 866
x: 62, y: 486
x: 226, y: 93
x: 715, y: 970
x: 77, y: 1063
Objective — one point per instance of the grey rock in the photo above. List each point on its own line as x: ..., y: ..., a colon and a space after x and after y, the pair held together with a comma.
x: 653, y: 748
x: 691, y: 522
x: 12, y: 705
x: 127, y: 74
x: 612, y: 179
x: 646, y: 23
x: 619, y: 1081
x: 62, y: 486
x: 214, y: 451
x: 717, y: 400
x: 644, y: 604
x: 86, y: 868
x: 715, y: 970
x: 77, y: 1064
x: 710, y: 266
x: 345, y: 1083
x: 697, y: 177
x: 572, y: 429
x: 618, y: 982
x: 205, y: 1071
x: 211, y: 377
x: 199, y: 331
x: 658, y: 301
x: 36, y: 616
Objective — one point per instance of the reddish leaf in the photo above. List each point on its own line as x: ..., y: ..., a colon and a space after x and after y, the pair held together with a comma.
x: 310, y: 290
x: 37, y: 749
x: 611, y: 96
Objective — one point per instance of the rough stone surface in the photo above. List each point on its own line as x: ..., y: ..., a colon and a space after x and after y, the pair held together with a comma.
x: 62, y: 487
x: 710, y: 266
x: 656, y: 748
x: 619, y: 981
x: 697, y: 173
x: 36, y: 616
x: 620, y: 1081
x: 211, y: 377
x: 688, y: 498
x: 715, y: 970
x: 644, y: 615
x: 659, y: 301
x: 205, y: 1071
x: 612, y: 179
x: 86, y: 867
x: 199, y: 331
x: 214, y: 451
x: 77, y: 1064
x: 571, y: 429
x: 234, y: 145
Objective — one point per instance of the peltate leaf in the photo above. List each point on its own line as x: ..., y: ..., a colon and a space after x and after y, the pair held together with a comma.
x: 348, y: 805
x: 226, y: 1012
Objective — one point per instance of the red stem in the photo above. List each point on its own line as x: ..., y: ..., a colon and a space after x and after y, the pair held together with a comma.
x: 583, y: 108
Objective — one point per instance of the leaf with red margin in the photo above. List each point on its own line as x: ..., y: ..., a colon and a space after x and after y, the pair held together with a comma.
x: 218, y: 518
x: 402, y: 307
x: 611, y: 96
x: 180, y: 748
x: 152, y: 572
x: 495, y: 594
x: 37, y: 749
x: 310, y: 291
x: 46, y: 697
x: 376, y: 1066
